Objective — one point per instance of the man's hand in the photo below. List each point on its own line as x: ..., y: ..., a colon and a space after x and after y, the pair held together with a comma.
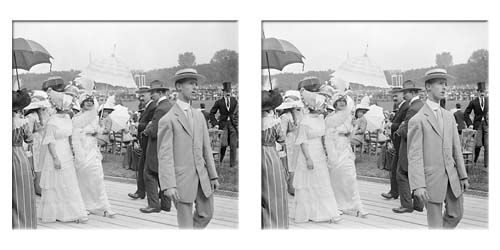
x: 214, y: 184
x: 464, y: 184
x: 172, y: 194
x: 309, y: 163
x: 216, y: 126
x: 421, y: 194
x: 471, y: 126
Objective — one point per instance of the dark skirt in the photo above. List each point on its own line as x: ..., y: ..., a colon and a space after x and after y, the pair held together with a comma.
x: 274, y: 191
x: 23, y: 191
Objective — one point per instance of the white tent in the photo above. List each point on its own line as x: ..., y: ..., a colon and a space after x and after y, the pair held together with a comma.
x: 111, y: 71
x: 361, y: 70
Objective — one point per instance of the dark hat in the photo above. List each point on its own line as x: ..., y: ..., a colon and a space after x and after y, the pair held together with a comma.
x: 481, y: 86
x: 410, y: 85
x: 142, y: 89
x: 158, y: 85
x: 55, y: 83
x: 20, y: 99
x: 226, y: 86
x: 396, y: 90
x: 311, y: 84
x: 271, y: 99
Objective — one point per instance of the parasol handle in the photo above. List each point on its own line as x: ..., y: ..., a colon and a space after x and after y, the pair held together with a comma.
x: 269, y: 71
x: 17, y: 74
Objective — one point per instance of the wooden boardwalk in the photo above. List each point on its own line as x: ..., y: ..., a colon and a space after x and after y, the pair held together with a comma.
x: 129, y: 216
x: 381, y: 215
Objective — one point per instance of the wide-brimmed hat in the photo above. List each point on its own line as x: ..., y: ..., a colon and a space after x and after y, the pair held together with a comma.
x: 363, y: 105
x: 270, y: 99
x: 55, y: 83
x: 291, y: 99
x: 72, y: 90
x: 409, y: 85
x: 158, y: 85
x: 142, y: 89
x: 188, y: 73
x: 60, y: 101
x: 313, y: 101
x: 84, y: 97
x: 481, y: 86
x: 339, y: 97
x: 396, y: 90
x: 20, y: 99
x: 435, y: 74
x: 310, y: 83
x: 38, y: 102
x: 327, y: 90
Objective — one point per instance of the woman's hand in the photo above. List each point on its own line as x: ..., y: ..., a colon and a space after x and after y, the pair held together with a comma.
x: 309, y: 163
x: 57, y: 163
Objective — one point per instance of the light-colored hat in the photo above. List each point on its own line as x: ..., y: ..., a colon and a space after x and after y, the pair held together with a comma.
x: 364, y: 104
x: 291, y: 100
x: 142, y: 89
x: 158, y: 85
x: 38, y: 102
x: 72, y: 91
x: 327, y: 90
x: 60, y: 101
x: 312, y: 100
x: 188, y: 73
x: 410, y: 85
x: 435, y: 74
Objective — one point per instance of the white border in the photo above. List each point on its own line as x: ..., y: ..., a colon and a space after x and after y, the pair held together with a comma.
x: 249, y: 14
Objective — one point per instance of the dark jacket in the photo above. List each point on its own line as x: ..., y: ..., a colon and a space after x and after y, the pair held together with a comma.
x: 225, y: 116
x: 413, y: 109
x: 479, y: 114
x: 460, y: 119
x: 146, y: 116
x: 399, y: 117
x: 152, y: 132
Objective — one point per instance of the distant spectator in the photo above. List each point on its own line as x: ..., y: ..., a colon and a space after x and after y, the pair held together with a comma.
x: 459, y: 118
x: 205, y: 113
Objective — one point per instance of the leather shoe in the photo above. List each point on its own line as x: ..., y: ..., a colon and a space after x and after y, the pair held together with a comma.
x: 149, y: 210
x: 419, y: 209
x: 401, y: 210
x: 166, y: 209
x: 388, y: 196
x: 136, y: 196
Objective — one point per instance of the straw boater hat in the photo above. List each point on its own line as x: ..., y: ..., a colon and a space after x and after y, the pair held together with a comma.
x: 188, y: 73
x: 436, y: 74
x: 142, y: 89
x: 291, y: 100
x: 270, y: 99
x: 20, y: 99
x: 310, y: 83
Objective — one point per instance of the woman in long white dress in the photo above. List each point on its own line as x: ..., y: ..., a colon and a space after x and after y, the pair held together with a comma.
x: 61, y: 198
x: 341, y: 158
x: 314, y: 197
x: 89, y: 159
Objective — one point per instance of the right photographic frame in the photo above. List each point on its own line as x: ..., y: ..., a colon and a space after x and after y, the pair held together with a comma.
x: 374, y: 124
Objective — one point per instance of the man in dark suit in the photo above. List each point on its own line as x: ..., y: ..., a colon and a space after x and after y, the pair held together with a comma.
x: 145, y: 118
x: 408, y: 203
x: 226, y: 106
x: 205, y: 113
x: 159, y: 93
x: 401, y: 108
x: 480, y: 107
x: 459, y: 118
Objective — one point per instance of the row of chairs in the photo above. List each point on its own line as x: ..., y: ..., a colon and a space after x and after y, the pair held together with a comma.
x: 372, y: 144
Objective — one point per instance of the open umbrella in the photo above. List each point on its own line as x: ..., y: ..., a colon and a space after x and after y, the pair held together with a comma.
x: 109, y: 70
x: 278, y: 53
x: 26, y: 54
x: 119, y: 118
x: 374, y: 118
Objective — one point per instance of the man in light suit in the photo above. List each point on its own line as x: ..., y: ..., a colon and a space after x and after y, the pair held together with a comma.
x: 436, y: 166
x: 186, y: 165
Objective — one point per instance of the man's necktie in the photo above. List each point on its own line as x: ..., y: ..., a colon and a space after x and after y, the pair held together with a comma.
x: 227, y: 103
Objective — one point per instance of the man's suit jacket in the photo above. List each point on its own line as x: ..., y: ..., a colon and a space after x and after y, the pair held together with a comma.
x: 479, y: 113
x: 428, y: 148
x: 225, y: 116
x: 413, y: 109
x: 459, y: 119
x: 206, y: 114
x: 152, y: 132
x: 146, y: 117
x: 399, y: 117
x: 185, y: 155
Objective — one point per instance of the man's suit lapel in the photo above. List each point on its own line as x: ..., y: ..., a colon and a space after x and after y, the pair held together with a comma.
x: 432, y: 119
x: 182, y: 119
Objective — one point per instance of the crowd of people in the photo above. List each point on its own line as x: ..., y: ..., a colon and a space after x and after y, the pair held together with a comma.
x: 308, y: 137
x: 56, y: 138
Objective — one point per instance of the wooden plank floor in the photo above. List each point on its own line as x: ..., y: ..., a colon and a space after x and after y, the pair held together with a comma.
x: 129, y: 216
x: 381, y: 215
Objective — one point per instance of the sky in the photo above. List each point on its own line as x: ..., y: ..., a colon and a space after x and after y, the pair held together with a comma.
x: 140, y: 45
x: 391, y: 45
